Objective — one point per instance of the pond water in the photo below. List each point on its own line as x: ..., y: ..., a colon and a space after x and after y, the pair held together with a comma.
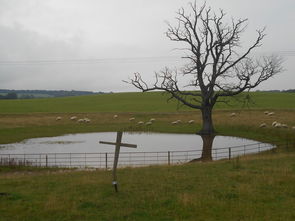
x: 84, y: 150
x: 146, y: 142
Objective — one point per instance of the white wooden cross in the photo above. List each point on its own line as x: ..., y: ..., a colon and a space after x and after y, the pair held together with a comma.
x: 118, y: 144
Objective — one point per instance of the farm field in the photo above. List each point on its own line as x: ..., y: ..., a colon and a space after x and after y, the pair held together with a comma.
x: 136, y: 102
x: 253, y: 187
x: 22, y: 119
x: 258, y: 187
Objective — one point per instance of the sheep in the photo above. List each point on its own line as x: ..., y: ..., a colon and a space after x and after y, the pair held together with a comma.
x: 152, y: 119
x: 58, y: 118
x: 293, y: 128
x: 149, y: 123
x: 191, y: 121
x: 174, y: 122
x: 266, y: 112
x: 178, y: 121
x: 233, y: 114
x: 274, y: 123
x: 73, y: 118
x: 131, y: 119
x: 278, y: 125
x: 87, y: 120
x: 115, y: 116
x: 284, y: 125
x: 81, y: 120
x: 271, y: 113
x: 262, y: 125
x: 140, y: 122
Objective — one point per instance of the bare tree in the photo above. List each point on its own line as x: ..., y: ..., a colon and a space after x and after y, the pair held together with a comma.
x: 217, y: 64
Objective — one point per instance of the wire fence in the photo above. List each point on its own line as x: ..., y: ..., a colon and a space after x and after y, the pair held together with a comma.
x: 129, y: 159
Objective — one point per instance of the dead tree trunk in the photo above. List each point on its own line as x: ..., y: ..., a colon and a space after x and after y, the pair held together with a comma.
x: 207, y: 126
x: 207, y: 149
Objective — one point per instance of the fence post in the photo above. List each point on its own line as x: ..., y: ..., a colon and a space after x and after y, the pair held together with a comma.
x: 229, y: 153
x: 24, y: 160
x: 259, y: 148
x: 46, y: 161
x: 169, y: 158
x: 106, y: 161
x: 70, y: 160
x: 244, y: 150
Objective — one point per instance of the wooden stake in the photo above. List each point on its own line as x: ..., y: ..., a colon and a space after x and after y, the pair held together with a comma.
x: 118, y: 145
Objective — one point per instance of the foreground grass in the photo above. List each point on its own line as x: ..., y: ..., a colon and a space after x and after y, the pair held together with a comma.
x: 259, y: 187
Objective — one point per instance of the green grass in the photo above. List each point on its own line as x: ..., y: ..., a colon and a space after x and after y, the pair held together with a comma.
x: 134, y: 102
x: 256, y: 187
x: 259, y: 187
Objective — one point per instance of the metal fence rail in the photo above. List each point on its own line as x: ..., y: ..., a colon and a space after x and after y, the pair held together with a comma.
x: 132, y: 159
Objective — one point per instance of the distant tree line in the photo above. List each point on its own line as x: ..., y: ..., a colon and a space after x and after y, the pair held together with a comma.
x: 29, y: 94
x: 283, y: 91
x: 9, y: 96
x: 289, y: 91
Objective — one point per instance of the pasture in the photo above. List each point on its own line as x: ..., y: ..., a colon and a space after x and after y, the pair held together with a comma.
x: 22, y: 119
x: 254, y: 187
x: 137, y: 102
x: 259, y: 187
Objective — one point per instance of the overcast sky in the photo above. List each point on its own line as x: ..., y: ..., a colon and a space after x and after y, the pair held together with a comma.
x: 95, y: 44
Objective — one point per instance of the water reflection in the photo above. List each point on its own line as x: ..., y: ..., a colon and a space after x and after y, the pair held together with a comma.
x: 147, y: 142
x: 84, y: 150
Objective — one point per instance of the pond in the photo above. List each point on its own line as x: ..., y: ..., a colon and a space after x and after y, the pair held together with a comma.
x: 84, y: 150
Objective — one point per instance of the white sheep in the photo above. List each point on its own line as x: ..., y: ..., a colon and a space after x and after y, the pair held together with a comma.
x: 191, y: 121
x: 115, y: 116
x: 174, y: 122
x: 87, y: 120
x: 274, y: 123
x: 140, y: 122
x: 271, y: 113
x: 278, y: 125
x: 73, y: 118
x: 284, y: 125
x: 81, y: 120
x: 293, y: 128
x: 266, y: 112
x: 233, y: 114
x: 131, y: 119
x: 149, y: 123
x: 152, y: 119
x: 262, y: 125
x: 58, y: 118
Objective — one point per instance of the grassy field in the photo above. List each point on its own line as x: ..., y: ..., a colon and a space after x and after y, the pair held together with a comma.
x: 22, y: 119
x: 256, y: 187
x: 135, y: 102
x: 259, y: 187
x: 17, y: 127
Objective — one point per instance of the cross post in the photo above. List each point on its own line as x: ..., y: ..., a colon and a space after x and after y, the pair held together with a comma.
x: 118, y: 144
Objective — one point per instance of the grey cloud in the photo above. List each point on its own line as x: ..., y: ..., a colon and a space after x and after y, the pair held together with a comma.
x: 84, y: 29
x: 20, y: 44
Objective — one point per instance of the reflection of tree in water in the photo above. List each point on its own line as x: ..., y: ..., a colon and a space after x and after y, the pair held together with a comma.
x: 207, y: 148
